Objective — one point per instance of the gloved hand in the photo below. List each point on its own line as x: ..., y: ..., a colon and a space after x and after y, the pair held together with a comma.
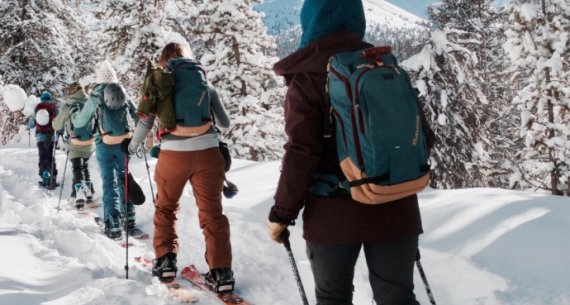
x: 154, y: 151
x: 275, y: 230
x: 229, y: 190
x: 125, y: 146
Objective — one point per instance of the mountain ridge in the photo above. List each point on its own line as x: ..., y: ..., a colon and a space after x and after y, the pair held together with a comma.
x: 283, y: 15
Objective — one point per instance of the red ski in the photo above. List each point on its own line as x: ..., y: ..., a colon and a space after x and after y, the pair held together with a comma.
x: 176, y: 291
x: 191, y: 274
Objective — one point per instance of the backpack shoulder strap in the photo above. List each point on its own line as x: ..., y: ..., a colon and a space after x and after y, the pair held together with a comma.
x: 327, y: 109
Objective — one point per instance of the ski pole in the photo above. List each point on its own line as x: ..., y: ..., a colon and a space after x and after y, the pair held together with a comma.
x: 424, y: 278
x: 285, y: 238
x: 63, y: 179
x: 148, y: 172
x: 127, y: 215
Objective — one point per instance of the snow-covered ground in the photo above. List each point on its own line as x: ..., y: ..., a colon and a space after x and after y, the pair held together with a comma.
x: 481, y: 246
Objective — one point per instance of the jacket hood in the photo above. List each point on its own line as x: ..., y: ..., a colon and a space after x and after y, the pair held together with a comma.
x: 320, y: 18
x: 314, y: 57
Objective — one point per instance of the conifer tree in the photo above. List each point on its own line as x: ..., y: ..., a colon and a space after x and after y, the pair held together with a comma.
x: 238, y: 56
x: 502, y: 122
x: 134, y: 31
x: 539, y: 46
x: 41, y: 48
x: 446, y: 73
x: 42, y: 45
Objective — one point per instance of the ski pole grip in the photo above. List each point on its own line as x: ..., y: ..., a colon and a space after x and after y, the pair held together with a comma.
x: 284, y: 236
x: 376, y: 51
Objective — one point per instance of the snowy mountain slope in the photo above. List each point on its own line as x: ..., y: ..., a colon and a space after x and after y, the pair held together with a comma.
x: 281, y: 15
x: 480, y: 246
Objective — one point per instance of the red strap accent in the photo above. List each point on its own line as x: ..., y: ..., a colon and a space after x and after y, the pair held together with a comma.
x: 376, y: 51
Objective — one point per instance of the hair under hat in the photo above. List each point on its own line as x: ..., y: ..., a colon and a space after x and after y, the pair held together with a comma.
x: 73, y: 88
x: 106, y: 73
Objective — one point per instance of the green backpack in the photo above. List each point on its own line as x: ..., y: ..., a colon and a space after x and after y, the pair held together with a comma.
x: 178, y: 96
x: 157, y: 96
x: 84, y: 133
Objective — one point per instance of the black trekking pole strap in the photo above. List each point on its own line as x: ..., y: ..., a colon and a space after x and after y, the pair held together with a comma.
x: 424, y: 279
x: 126, y: 192
x: 63, y: 180
x: 285, y: 238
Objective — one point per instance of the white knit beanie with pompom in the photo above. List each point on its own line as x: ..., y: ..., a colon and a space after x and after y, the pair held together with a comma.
x: 106, y: 73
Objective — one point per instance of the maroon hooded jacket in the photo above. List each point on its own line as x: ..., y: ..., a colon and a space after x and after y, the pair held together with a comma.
x: 338, y: 219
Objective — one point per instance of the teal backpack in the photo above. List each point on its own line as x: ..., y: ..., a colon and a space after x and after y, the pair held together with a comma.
x: 378, y: 125
x: 190, y: 97
x: 112, y: 114
x: 84, y: 133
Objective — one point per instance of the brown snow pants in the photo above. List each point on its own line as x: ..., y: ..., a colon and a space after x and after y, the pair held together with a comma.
x: 205, y: 171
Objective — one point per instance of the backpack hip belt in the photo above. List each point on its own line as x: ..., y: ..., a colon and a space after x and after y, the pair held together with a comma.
x: 77, y: 142
x: 113, y: 140
x: 191, y: 131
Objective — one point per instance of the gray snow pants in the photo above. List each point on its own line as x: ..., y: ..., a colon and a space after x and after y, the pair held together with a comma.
x: 390, y: 266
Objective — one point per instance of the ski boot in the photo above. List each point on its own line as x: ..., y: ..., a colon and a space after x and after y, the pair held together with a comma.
x: 79, y: 196
x: 88, y: 190
x: 46, y: 179
x: 164, y: 267
x: 113, y: 228
x: 132, y: 228
x: 220, y: 280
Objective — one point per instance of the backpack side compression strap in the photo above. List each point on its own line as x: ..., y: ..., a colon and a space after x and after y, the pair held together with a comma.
x: 382, y: 178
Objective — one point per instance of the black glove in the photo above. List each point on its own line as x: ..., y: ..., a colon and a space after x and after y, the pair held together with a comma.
x: 125, y: 146
x: 229, y: 190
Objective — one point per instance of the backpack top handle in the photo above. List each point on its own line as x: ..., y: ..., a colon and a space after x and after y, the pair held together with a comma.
x: 376, y: 52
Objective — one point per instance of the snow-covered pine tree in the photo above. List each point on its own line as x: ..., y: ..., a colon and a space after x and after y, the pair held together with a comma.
x: 503, y: 117
x: 539, y: 46
x: 446, y: 73
x: 177, y: 14
x: 41, y: 48
x: 404, y: 41
x: 238, y: 58
x: 133, y: 33
x: 42, y: 45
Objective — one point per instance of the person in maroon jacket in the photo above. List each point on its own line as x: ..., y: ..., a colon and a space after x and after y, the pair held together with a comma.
x: 336, y: 227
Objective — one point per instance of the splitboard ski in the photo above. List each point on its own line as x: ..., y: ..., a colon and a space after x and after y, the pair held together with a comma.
x: 138, y: 234
x: 191, y: 274
x: 83, y: 206
x: 176, y: 291
x: 135, y: 233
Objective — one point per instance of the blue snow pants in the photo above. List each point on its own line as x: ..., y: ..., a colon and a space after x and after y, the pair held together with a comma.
x: 112, y: 167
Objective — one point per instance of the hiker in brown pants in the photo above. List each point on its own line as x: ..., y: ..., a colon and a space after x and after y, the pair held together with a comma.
x: 205, y: 171
x: 189, y: 152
